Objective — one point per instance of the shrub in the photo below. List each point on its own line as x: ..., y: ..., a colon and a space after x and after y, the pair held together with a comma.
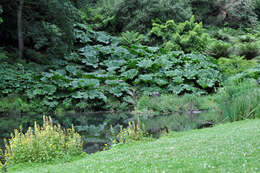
x: 240, y: 13
x: 206, y: 11
x: 235, y: 64
x: 137, y: 15
x: 241, y: 42
x: 229, y: 12
x: 129, y: 38
x: 107, y: 6
x: 249, y: 50
x: 252, y: 73
x: 257, y: 8
x: 218, y: 49
x: 239, y: 101
x: 3, y: 53
x: 13, y: 102
x: 188, y: 36
x: 220, y: 34
x: 42, y: 144
x: 247, y: 38
x: 100, y: 15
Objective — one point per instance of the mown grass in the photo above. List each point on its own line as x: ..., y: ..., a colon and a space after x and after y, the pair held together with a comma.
x: 233, y: 147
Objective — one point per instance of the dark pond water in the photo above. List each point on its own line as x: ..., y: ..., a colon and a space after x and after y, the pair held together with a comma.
x: 95, y: 127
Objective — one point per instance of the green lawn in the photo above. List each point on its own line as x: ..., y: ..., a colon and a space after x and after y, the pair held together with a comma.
x: 233, y: 147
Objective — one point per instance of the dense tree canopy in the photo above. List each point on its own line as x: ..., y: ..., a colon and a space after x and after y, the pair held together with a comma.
x: 138, y: 14
x: 1, y: 10
x: 47, y: 25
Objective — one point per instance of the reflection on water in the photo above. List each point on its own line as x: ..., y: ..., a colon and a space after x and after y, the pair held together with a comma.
x: 95, y: 127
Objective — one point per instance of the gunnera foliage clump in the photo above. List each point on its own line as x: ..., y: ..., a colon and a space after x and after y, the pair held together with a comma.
x: 101, y: 73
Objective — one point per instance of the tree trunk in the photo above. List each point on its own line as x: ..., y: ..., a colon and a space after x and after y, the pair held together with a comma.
x: 20, y: 29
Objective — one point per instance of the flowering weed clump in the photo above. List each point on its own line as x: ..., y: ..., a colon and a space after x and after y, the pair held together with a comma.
x: 42, y: 144
x: 134, y: 132
x: 1, y: 157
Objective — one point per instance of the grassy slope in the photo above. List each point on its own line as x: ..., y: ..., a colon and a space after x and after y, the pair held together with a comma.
x: 233, y: 147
